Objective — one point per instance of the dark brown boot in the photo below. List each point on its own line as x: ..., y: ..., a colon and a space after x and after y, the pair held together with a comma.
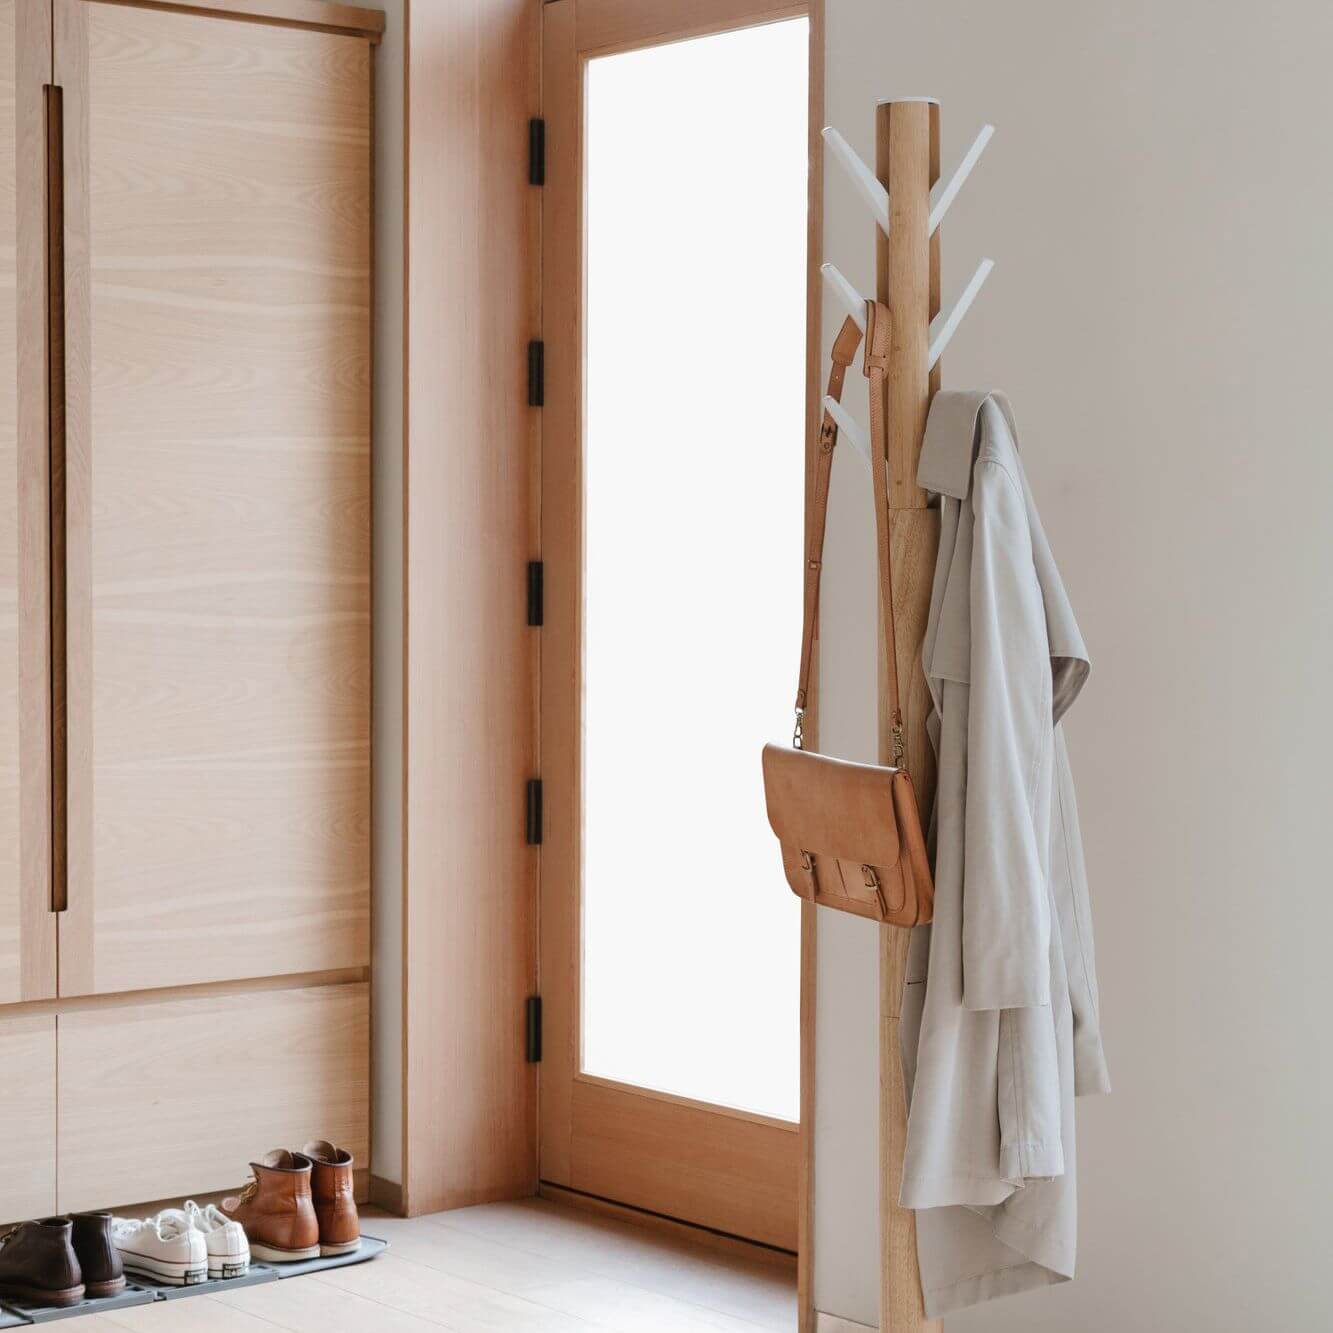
x: 38, y: 1265
x: 335, y: 1203
x: 276, y: 1210
x: 97, y: 1255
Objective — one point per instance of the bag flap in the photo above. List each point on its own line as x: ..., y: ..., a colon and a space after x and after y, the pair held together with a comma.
x: 830, y: 807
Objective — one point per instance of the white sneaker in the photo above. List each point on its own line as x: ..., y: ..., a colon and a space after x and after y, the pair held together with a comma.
x: 165, y: 1248
x: 228, y: 1249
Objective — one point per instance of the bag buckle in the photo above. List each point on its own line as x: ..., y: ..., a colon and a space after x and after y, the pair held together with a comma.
x: 872, y: 882
x: 798, y: 736
x: 808, y: 865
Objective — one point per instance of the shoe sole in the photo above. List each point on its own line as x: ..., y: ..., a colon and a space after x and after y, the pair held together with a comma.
x: 347, y: 1247
x: 96, y: 1291
x: 66, y: 1296
x: 272, y: 1255
x: 171, y: 1272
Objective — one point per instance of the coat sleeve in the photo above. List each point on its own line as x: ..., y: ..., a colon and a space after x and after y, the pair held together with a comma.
x: 1006, y: 912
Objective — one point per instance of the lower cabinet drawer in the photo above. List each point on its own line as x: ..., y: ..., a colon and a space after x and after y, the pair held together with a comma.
x: 27, y: 1118
x: 177, y: 1097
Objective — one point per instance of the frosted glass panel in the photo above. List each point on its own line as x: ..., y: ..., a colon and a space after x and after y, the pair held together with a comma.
x: 696, y: 245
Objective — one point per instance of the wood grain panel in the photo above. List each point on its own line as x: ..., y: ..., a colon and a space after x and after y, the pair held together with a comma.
x: 11, y: 895
x: 319, y: 15
x: 27, y: 927
x: 470, y: 881
x: 218, y: 203
x: 907, y: 160
x: 28, y: 1117
x: 669, y: 1156
x: 164, y: 1099
x: 609, y: 25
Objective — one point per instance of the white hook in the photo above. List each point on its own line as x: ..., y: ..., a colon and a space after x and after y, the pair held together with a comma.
x: 942, y: 195
x: 943, y: 327
x: 875, y: 195
x: 846, y: 293
x: 946, y: 189
x: 847, y: 425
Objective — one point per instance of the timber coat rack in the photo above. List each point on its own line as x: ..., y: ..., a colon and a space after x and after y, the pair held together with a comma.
x: 907, y: 200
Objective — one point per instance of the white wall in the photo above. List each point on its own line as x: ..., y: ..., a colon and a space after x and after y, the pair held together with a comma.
x: 1158, y: 200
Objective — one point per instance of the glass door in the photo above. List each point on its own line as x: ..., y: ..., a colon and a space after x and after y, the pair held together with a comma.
x: 674, y: 307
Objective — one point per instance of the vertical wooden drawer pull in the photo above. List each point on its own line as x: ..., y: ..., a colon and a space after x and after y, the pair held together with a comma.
x: 55, y: 321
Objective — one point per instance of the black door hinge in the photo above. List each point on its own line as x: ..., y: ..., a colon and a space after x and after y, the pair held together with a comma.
x: 536, y: 151
x: 536, y: 593
x: 536, y: 373
x: 534, y: 1030
x: 533, y: 818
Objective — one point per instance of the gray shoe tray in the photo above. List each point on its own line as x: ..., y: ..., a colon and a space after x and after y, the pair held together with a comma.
x: 14, y: 1315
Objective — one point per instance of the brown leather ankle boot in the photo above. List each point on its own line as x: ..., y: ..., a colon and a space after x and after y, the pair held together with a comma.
x: 335, y: 1204
x: 276, y: 1209
x: 38, y: 1265
x: 103, y: 1273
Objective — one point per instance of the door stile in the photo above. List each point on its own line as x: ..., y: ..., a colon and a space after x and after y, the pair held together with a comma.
x: 562, y: 556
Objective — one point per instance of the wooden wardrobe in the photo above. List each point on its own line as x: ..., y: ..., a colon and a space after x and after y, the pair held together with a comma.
x: 185, y: 366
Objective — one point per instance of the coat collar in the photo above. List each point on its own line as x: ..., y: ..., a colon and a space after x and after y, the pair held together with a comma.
x: 955, y: 416
x: 956, y: 431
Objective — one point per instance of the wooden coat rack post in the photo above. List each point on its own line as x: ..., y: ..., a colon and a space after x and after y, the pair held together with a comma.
x: 907, y: 162
x: 907, y: 201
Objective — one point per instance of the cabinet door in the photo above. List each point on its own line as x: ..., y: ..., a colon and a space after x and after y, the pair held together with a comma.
x: 178, y: 1096
x: 27, y: 924
x: 27, y: 1117
x: 217, y: 203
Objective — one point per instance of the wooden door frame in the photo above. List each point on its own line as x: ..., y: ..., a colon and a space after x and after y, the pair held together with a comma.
x: 470, y: 304
x: 743, y: 1174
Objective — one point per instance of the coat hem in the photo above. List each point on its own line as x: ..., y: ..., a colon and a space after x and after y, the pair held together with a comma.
x: 955, y: 1296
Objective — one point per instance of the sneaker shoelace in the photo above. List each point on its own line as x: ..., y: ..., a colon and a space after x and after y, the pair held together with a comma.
x: 206, y: 1219
x: 163, y: 1227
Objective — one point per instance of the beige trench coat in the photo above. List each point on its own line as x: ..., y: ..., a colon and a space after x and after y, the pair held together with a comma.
x: 1000, y: 1016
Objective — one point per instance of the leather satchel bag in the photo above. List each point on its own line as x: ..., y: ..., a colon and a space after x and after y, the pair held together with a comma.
x: 851, y: 833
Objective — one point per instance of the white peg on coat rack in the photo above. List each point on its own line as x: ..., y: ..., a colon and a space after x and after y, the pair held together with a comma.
x: 876, y: 197
x: 847, y: 426
x: 942, y: 327
x: 945, y: 190
x: 853, y: 302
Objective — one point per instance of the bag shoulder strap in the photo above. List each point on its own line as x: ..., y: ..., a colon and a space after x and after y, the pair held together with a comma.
x: 878, y: 328
x: 844, y: 349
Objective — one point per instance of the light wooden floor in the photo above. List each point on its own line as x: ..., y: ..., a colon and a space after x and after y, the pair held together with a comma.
x: 529, y: 1267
